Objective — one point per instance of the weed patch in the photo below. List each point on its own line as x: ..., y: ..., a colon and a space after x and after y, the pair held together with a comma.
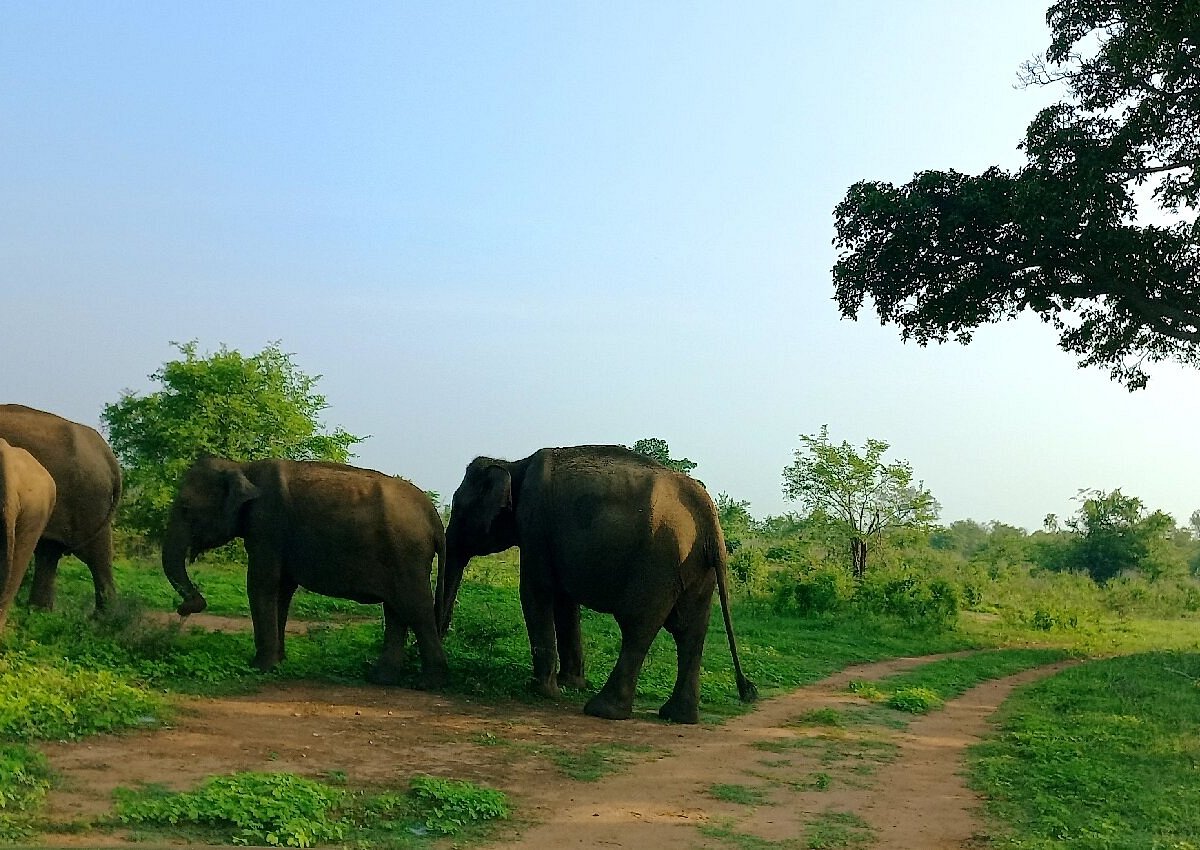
x: 834, y: 830
x: 743, y: 795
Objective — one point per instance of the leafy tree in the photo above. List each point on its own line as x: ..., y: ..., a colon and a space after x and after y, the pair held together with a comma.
x: 654, y: 447
x: 736, y: 522
x: 223, y: 404
x: 1112, y: 534
x: 948, y: 252
x: 859, y: 494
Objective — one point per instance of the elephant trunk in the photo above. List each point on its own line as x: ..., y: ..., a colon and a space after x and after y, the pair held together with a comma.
x: 174, y: 564
x: 450, y: 575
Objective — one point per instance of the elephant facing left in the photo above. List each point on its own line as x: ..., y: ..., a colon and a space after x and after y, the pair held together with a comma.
x: 333, y: 529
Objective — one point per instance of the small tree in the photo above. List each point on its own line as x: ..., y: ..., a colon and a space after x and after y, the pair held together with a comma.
x: 735, y: 519
x: 1112, y: 534
x: 656, y: 448
x: 860, y: 495
x: 223, y: 404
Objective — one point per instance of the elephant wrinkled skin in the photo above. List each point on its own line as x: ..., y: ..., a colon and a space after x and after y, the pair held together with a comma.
x: 88, y: 481
x: 333, y: 529
x: 26, y: 503
x: 604, y: 527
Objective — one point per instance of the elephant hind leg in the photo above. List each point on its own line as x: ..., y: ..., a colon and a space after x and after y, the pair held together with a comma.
x: 688, y: 625
x: 615, y: 700
x: 97, y: 553
x: 386, y: 669
x: 570, y: 642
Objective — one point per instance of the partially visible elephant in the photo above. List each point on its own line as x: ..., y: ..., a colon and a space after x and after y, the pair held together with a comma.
x: 604, y: 527
x: 333, y: 529
x: 26, y: 503
x: 88, y: 481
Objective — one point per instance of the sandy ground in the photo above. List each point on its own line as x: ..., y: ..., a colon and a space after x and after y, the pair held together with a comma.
x: 904, y: 784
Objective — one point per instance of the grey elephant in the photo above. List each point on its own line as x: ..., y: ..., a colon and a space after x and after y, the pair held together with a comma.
x: 333, y: 529
x: 88, y: 481
x: 26, y: 504
x: 610, y: 529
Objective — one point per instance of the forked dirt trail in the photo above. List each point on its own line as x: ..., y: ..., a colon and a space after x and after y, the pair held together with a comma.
x: 903, y: 783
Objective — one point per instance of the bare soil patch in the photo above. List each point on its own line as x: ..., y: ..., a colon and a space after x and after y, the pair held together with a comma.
x: 904, y: 783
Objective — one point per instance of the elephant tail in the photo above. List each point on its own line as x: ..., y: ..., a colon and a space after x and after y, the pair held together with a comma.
x: 747, y: 691
x: 439, y: 593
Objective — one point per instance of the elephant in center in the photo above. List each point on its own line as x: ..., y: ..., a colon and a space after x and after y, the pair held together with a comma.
x: 610, y: 529
x: 333, y: 529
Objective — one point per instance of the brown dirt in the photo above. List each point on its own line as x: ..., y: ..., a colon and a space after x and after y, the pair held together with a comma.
x: 907, y: 788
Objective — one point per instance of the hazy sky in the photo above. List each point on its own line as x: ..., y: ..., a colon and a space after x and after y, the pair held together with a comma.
x: 493, y: 227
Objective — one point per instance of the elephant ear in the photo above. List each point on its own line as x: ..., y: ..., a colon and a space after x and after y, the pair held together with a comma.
x: 496, y: 489
x: 238, y: 490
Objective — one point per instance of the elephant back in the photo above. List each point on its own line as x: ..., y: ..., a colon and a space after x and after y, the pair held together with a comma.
x: 85, y: 472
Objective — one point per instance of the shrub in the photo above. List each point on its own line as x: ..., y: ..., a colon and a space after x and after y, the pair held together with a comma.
x: 449, y: 805
x: 919, y: 601
x: 812, y: 590
x: 24, y: 780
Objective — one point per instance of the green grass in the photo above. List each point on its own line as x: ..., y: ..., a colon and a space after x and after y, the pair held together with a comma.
x: 834, y: 830
x: 24, y: 780
x: 1103, y: 755
x: 929, y: 686
x: 285, y: 810
x: 743, y: 795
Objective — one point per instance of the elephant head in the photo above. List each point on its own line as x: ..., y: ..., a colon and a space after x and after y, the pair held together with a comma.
x: 482, y: 521
x: 204, y: 515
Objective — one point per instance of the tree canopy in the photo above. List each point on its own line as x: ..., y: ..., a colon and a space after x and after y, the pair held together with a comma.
x: 1063, y: 236
x: 657, y: 448
x: 859, y: 494
x: 1113, y: 533
x: 223, y: 404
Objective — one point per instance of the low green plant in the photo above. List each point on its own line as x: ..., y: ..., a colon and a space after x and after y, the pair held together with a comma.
x: 51, y: 700
x: 834, y: 830
x: 272, y: 809
x: 1102, y: 755
x: 24, y: 781
x: 743, y: 795
x: 929, y: 686
x: 914, y: 700
x: 285, y: 810
x: 449, y: 805
x: 596, y: 761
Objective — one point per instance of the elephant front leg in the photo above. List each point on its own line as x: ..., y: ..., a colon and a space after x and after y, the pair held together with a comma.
x: 570, y: 643
x: 97, y: 553
x: 537, y: 603
x: 263, y: 589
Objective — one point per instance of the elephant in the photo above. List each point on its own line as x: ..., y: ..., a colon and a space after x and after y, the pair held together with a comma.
x: 27, y: 496
x: 88, y: 481
x: 333, y: 529
x: 610, y: 529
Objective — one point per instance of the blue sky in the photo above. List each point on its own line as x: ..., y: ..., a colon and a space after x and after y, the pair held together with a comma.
x: 494, y: 227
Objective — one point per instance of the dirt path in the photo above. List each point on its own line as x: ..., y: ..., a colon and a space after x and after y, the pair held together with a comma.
x: 903, y: 784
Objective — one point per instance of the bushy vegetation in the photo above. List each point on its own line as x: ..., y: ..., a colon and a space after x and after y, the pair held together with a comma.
x: 1102, y: 755
x: 285, y: 810
x: 24, y: 780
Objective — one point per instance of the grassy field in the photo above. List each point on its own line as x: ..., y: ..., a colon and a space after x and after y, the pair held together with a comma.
x: 66, y: 674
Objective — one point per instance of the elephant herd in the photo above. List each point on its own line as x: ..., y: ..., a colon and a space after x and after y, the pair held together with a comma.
x: 597, y: 526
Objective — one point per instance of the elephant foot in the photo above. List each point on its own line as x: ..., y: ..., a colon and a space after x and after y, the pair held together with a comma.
x: 680, y: 711
x: 549, y: 690
x: 578, y: 683
x: 603, y: 707
x: 265, y: 663
x: 383, y: 673
x: 433, y: 680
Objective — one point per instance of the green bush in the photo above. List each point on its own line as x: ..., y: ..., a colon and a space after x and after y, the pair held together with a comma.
x: 450, y: 805
x: 812, y: 590
x: 275, y: 809
x: 919, y: 601
x: 46, y: 700
x: 24, y: 780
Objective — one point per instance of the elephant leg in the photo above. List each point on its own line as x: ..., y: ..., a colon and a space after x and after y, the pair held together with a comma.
x: 615, y: 700
x: 97, y: 553
x: 386, y: 669
x: 688, y: 625
x: 263, y: 587
x: 287, y: 589
x: 570, y: 642
x: 45, y: 568
x: 434, y: 667
x: 537, y: 604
